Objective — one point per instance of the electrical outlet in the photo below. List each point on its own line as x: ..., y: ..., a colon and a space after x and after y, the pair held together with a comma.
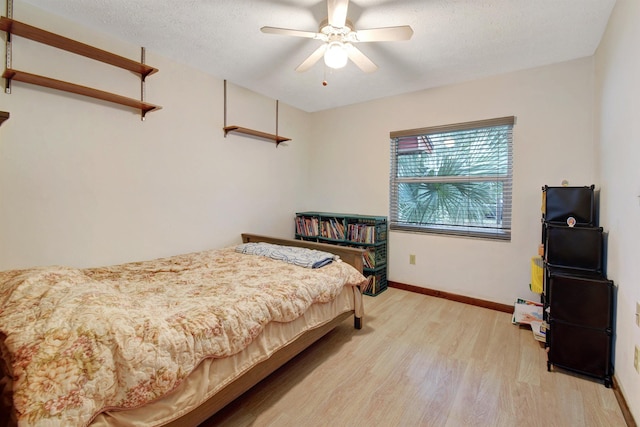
x: 636, y: 359
x: 412, y: 259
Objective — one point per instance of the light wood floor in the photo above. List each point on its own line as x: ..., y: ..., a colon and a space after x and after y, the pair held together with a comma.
x: 423, y: 361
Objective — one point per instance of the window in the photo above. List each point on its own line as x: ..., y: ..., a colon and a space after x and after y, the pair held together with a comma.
x: 453, y: 179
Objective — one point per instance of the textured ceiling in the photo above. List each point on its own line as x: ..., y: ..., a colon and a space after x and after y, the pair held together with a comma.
x: 453, y: 41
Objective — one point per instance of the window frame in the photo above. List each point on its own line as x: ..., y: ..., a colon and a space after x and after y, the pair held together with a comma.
x: 417, y: 140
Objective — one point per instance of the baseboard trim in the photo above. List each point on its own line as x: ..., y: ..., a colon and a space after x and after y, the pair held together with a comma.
x: 622, y: 402
x: 453, y: 297
x: 626, y: 413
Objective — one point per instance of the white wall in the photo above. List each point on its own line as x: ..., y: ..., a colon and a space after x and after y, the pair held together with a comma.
x: 84, y: 182
x: 553, y: 140
x: 618, y: 91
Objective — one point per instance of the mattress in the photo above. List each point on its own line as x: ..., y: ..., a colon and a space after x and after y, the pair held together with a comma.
x: 214, y: 374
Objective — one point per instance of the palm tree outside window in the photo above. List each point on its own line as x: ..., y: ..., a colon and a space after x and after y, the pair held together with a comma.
x: 453, y: 179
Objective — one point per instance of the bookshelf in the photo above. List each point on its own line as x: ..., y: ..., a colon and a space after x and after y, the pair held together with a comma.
x: 361, y: 231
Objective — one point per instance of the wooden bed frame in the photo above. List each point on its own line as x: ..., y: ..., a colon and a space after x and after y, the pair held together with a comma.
x: 256, y: 374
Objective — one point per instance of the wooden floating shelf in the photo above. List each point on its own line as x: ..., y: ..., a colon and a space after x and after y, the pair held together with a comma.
x: 36, y: 34
x: 35, y: 79
x: 11, y: 26
x: 3, y: 116
x: 271, y: 137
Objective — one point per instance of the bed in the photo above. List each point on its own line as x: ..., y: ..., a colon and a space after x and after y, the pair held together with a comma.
x: 178, y: 353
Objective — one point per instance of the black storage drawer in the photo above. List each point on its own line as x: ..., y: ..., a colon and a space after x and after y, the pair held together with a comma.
x: 584, y: 300
x: 578, y: 248
x: 583, y: 350
x: 560, y: 203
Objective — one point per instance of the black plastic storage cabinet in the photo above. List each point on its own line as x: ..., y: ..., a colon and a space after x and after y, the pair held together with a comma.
x: 577, y: 297
x: 581, y: 323
x: 576, y: 247
x: 560, y: 203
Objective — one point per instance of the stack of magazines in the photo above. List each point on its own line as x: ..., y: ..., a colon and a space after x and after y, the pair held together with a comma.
x: 527, y: 312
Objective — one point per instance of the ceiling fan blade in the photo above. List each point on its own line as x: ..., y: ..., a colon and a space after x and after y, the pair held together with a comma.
x: 360, y: 59
x: 294, y: 33
x: 312, y: 59
x: 337, y: 12
x: 387, y: 34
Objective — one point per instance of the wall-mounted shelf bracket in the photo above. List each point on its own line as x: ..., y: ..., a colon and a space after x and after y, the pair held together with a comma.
x: 142, y: 78
x: 7, y: 57
x: 3, y: 116
x: 246, y: 131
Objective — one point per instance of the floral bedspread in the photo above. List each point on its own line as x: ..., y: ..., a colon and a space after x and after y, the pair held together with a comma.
x: 81, y: 341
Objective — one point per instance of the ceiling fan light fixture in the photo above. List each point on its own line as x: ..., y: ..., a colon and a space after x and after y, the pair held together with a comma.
x: 336, y: 55
x: 339, y: 36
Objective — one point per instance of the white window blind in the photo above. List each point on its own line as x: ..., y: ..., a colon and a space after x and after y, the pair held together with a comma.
x: 454, y: 179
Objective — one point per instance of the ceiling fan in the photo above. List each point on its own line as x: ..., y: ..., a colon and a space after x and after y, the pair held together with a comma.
x: 339, y: 37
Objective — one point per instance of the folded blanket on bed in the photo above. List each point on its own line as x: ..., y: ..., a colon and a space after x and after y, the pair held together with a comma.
x: 304, y: 257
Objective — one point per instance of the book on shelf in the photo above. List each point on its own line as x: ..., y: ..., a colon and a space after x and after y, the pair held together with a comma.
x: 307, y: 226
x: 361, y: 233
x: 369, y: 258
x: 333, y: 229
x: 372, y: 286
